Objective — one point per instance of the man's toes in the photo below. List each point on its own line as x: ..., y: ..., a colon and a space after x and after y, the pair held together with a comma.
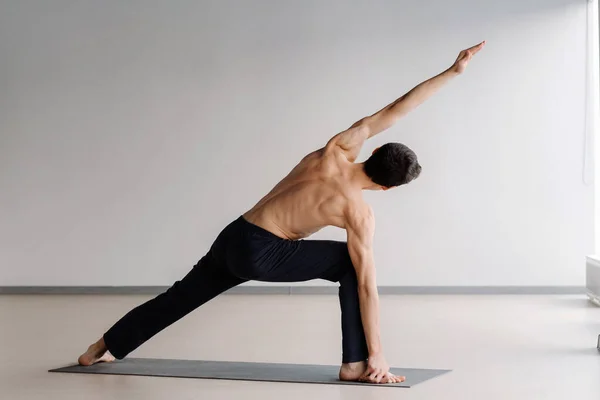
x: 395, y: 379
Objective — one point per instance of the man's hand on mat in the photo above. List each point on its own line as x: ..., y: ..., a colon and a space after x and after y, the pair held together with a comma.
x: 357, y: 372
x: 378, y: 371
x: 465, y: 56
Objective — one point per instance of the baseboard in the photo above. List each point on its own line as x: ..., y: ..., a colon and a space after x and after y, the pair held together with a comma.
x: 303, y: 290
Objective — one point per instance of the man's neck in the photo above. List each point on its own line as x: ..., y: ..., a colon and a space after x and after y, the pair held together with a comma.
x: 360, y: 179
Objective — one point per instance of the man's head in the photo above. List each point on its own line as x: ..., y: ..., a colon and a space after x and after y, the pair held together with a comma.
x: 392, y: 164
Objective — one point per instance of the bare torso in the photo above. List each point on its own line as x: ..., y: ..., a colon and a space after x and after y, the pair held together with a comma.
x: 312, y: 196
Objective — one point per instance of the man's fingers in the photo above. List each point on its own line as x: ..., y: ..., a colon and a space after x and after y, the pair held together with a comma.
x: 467, y: 54
x: 368, y: 372
x: 475, y: 49
x: 369, y: 375
x: 373, y: 376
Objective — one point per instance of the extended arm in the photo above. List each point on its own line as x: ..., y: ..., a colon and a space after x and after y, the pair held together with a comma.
x: 351, y: 140
x: 390, y: 114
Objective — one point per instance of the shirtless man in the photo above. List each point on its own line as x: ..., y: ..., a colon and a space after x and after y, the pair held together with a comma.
x: 267, y: 242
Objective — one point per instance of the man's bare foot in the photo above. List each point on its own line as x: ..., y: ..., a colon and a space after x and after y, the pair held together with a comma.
x: 355, y: 372
x: 96, y: 353
x: 352, y: 371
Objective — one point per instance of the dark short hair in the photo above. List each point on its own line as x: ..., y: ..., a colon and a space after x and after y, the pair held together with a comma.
x: 393, y: 164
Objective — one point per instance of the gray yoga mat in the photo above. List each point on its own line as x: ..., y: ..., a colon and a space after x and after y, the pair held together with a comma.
x: 248, y: 371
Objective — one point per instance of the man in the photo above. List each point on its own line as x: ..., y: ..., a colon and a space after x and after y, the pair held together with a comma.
x: 266, y: 243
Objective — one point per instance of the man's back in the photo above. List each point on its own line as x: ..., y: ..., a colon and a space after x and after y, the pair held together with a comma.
x: 313, y: 195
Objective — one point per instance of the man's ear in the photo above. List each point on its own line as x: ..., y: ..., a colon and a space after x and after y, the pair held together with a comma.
x: 385, y: 188
x: 375, y: 150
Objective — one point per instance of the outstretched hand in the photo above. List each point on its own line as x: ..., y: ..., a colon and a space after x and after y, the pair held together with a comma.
x: 465, y: 56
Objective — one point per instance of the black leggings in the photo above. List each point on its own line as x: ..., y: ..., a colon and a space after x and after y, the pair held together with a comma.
x: 243, y: 252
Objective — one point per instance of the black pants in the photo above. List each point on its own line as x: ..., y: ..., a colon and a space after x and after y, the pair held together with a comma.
x: 243, y: 252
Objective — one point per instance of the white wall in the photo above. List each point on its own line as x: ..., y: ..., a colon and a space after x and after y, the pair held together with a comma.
x: 132, y: 132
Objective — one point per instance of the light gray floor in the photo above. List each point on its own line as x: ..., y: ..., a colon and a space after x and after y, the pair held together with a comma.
x: 499, y: 347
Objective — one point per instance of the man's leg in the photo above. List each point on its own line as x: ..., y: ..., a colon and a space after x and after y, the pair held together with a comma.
x: 205, y: 281
x: 325, y: 259
x: 304, y: 260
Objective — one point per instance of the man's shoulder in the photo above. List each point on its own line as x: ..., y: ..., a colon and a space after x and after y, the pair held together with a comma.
x: 357, y: 209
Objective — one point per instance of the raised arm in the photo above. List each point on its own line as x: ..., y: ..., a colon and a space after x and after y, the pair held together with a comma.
x: 360, y: 227
x: 351, y: 140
